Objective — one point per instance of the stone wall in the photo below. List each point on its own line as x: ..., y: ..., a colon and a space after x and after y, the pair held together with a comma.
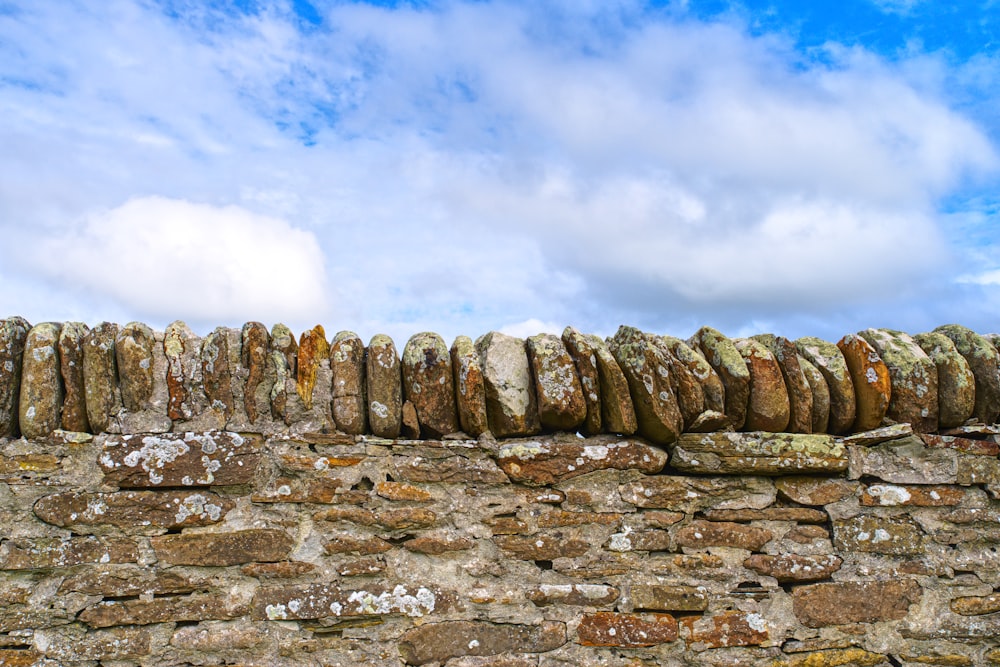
x: 247, y: 498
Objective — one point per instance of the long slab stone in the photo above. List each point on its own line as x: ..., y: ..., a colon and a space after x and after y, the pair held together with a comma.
x: 758, y: 453
x: 213, y: 458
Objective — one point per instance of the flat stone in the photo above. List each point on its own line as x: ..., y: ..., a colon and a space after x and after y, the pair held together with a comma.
x: 830, y: 362
x: 429, y: 383
x: 313, y: 351
x: 540, y: 547
x: 585, y: 359
x: 100, y: 377
x: 984, y: 361
x: 280, y: 570
x: 800, y: 395
x: 435, y: 545
x: 768, y: 408
x: 458, y: 469
x: 66, y: 646
x: 256, y: 342
x: 384, y: 386
x: 897, y: 536
x: 143, y: 512
x: 665, y: 597
x: 820, y: 605
x: 820, y: 395
x: 46, y: 553
x: 217, y: 374
x: 640, y: 540
x: 870, y: 377
x: 350, y: 406
x: 173, y: 609
x: 606, y: 628
x: 13, y: 332
x: 581, y: 595
x: 910, y: 495
x: 402, y: 491
x: 879, y: 435
x: 956, y: 383
x: 728, y: 628
x: 904, y: 461
x: 702, y: 534
x: 216, y: 458
x: 561, y: 404
x: 545, y: 463
x: 793, y: 568
x: 223, y: 549
x: 116, y: 581
x: 914, y: 378
x: 796, y: 514
x: 964, y: 445
x: 690, y: 494
x: 220, y: 637
x: 74, y: 407
x: 511, y: 404
x: 647, y: 371
x: 713, y: 392
x: 311, y: 601
x: 686, y: 387
x: 282, y: 362
x: 309, y: 489
x: 41, y: 383
x: 470, y: 387
x: 562, y: 518
x: 758, y: 453
x: 723, y: 356
x: 976, y: 605
x: 437, y: 642
x: 617, y: 411
x: 364, y: 545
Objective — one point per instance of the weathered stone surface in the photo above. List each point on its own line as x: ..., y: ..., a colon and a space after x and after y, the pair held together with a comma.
x: 309, y: 601
x: 732, y: 370
x: 585, y: 359
x: 686, y: 387
x: 898, y: 536
x: 975, y: 605
x: 561, y: 404
x: 914, y: 378
x: 116, y: 581
x: 955, y: 382
x: 40, y: 403
x: 701, y: 534
x: 537, y: 463
x: 185, y: 387
x: 584, y: 595
x: 800, y: 395
x: 984, y: 361
x: 605, y: 628
x: 689, y: 494
x: 74, y: 409
x: 827, y: 358
x: 904, y: 461
x: 171, y: 609
x: 100, y: 377
x: 792, y: 568
x: 256, y: 342
x: 453, y: 469
x: 437, y: 642
x: 639, y: 540
x: 890, y: 495
x: 870, y: 377
x: 729, y: 628
x: 280, y: 570
x: 13, y: 332
x: 223, y: 549
x: 617, y: 411
x: 820, y: 395
x: 45, y: 553
x: 143, y: 512
x: 879, y: 435
x: 713, y: 391
x: 429, y: 383
x: 438, y: 544
x: 819, y: 605
x: 350, y: 385
x: 768, y: 408
x: 180, y: 459
x: 540, y: 547
x: 217, y: 376
x: 384, y: 386
x: 470, y: 387
x: 401, y: 491
x: 282, y: 362
x: 313, y: 351
x: 758, y: 453
x: 797, y: 514
x: 647, y: 371
x: 666, y: 597
x: 70, y: 645
x: 134, y: 355
x: 364, y: 545
x: 511, y: 404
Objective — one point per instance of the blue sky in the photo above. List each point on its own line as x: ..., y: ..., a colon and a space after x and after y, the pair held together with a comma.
x: 800, y: 168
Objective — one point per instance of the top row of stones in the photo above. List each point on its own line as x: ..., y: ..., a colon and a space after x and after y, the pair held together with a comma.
x: 132, y: 379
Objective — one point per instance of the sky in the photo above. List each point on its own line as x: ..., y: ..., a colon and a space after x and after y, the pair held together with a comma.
x: 801, y: 168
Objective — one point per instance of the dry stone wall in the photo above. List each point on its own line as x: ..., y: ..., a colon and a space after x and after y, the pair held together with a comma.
x: 253, y: 498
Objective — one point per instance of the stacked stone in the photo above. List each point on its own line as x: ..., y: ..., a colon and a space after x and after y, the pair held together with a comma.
x: 130, y: 379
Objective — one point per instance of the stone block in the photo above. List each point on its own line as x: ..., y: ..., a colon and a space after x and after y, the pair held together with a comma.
x: 725, y: 629
x: 793, y: 568
x: 223, y: 549
x: 605, y: 628
x: 437, y: 642
x: 140, y: 512
x: 561, y: 403
x: 839, y: 603
x: 216, y: 458
x: 555, y: 459
x: 758, y: 453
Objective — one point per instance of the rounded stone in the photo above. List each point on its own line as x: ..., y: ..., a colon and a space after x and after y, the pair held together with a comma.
x: 253, y: 358
x: 870, y: 376
x: 647, y: 371
x: 732, y: 370
x: 40, y: 402
x: 687, y: 389
x: 134, y: 355
x: 826, y: 357
x: 800, y: 399
x: 470, y: 387
x: 913, y: 375
x: 585, y: 360
x: 100, y: 377
x: 74, y: 410
x: 820, y: 395
x: 984, y: 360
x: 511, y: 405
x: 711, y: 386
x: 956, y: 383
x: 768, y: 408
x: 561, y: 405
x: 384, y: 385
x: 617, y: 411
x: 429, y: 384
x: 349, y: 403
x: 13, y: 332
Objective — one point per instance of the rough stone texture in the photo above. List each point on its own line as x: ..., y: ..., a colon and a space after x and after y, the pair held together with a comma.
x: 582, y: 595
x: 984, y: 360
x: 100, y: 377
x: 142, y: 374
x: 74, y: 408
x: 154, y: 512
x: 282, y: 362
x: 711, y: 386
x: 554, y: 460
x: 41, y: 397
x: 815, y: 490
x: 792, y: 568
x: 870, y: 377
x: 313, y: 350
x: 914, y: 378
x: 223, y: 549
x: 768, y: 408
x: 180, y: 459
x: 758, y: 453
x: 254, y: 350
x: 955, y: 381
x: 665, y: 597
x: 47, y: 553
x: 217, y: 374
x: 702, y: 534
x: 384, y: 387
x: 429, y: 384
x: 13, y: 332
x: 626, y: 630
x: 585, y: 359
x: 690, y: 494
x: 828, y: 359
x: 820, y: 395
x: 647, y: 371
x: 732, y: 370
x: 730, y: 628
x: 617, y: 412
x: 511, y: 404
x: 686, y: 387
x: 561, y: 403
x: 436, y: 642
x: 800, y: 395
x: 899, y: 536
x: 819, y: 605
x: 470, y: 387
x: 350, y: 405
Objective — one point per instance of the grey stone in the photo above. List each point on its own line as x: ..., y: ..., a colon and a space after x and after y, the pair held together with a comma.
x: 914, y: 378
x: 956, y: 383
x: 384, y: 387
x: 41, y: 383
x: 984, y: 360
x: 100, y: 377
x: 429, y: 384
x: 561, y: 404
x: 511, y: 404
x: 585, y: 359
x: 727, y: 362
x: 711, y: 386
x: 13, y: 332
x: 648, y: 373
x: 470, y: 387
x: 350, y: 404
x: 253, y: 358
x: 74, y: 410
x: 617, y: 411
